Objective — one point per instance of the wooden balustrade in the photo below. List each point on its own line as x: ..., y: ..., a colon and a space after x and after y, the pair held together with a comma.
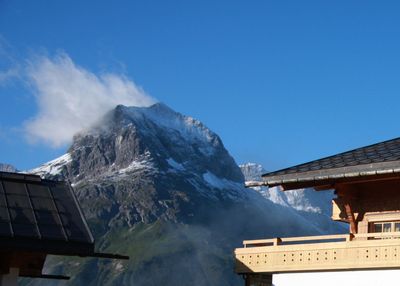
x: 320, y: 253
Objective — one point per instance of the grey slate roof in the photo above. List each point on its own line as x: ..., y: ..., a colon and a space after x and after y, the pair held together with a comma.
x: 41, y: 215
x: 380, y: 158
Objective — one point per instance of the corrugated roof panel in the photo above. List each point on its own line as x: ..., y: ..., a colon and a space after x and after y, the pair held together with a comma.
x: 11, y: 187
x: 18, y: 201
x: 36, y: 190
x: 41, y: 210
x: 5, y: 229
x: 52, y: 233
x: 46, y: 204
x: 25, y: 230
x: 2, y: 200
x: 4, y: 216
x: 48, y: 218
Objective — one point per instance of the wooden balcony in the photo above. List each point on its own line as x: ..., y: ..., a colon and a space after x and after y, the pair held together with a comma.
x: 320, y: 253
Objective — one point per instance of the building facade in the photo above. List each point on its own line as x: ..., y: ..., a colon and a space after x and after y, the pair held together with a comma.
x: 367, y: 187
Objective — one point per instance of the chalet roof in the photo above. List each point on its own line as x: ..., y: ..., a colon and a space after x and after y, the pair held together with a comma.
x: 377, y: 159
x: 41, y: 215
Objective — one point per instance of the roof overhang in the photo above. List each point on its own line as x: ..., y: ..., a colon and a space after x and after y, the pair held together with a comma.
x: 326, y: 178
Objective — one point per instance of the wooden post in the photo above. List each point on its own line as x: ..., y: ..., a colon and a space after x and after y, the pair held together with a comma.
x: 277, y: 241
x: 258, y: 280
x: 247, y: 280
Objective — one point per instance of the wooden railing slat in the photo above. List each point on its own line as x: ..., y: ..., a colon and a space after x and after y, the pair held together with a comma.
x: 319, y: 238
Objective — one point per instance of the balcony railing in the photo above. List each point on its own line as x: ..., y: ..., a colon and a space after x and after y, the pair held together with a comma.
x: 320, y: 253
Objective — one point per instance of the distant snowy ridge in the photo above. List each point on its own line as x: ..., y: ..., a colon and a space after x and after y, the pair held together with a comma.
x: 252, y: 171
x: 306, y: 200
x: 315, y: 207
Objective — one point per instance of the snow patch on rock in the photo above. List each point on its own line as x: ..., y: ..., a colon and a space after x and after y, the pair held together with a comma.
x: 221, y: 184
x: 135, y: 166
x: 175, y: 165
x: 53, y: 167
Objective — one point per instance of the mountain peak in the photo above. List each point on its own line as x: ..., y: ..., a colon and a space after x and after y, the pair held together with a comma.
x: 164, y: 117
x: 154, y: 138
x: 156, y: 156
x: 158, y: 107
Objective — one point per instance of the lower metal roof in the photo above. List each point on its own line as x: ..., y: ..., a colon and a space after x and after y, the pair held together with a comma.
x: 35, y: 211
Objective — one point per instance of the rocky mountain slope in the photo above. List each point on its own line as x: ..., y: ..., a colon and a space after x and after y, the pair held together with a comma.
x: 160, y: 186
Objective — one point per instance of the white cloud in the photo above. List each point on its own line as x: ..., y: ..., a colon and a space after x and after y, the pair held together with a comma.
x: 71, y: 98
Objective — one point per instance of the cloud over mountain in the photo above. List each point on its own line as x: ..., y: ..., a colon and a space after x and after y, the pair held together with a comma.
x: 70, y: 98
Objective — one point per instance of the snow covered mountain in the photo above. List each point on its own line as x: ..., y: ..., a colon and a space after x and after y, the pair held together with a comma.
x: 252, y: 171
x: 161, y: 187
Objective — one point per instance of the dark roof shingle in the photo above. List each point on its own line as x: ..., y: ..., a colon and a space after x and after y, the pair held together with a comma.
x: 380, y: 157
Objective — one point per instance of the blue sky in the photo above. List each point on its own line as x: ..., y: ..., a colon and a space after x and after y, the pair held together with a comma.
x: 282, y: 82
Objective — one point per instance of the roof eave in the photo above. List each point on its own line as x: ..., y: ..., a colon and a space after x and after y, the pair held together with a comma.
x: 330, y: 176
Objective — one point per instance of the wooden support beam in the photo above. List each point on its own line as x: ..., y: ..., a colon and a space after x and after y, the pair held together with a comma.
x: 351, y: 218
x: 347, y: 194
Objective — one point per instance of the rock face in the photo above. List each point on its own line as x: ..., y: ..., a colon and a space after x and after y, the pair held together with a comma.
x: 160, y: 186
x: 7, y: 168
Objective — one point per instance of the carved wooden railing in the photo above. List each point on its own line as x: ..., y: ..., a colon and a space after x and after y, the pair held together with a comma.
x: 320, y: 253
